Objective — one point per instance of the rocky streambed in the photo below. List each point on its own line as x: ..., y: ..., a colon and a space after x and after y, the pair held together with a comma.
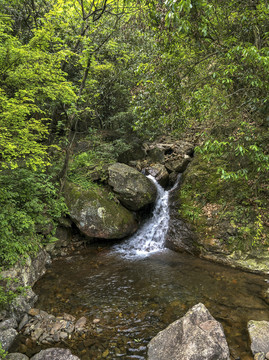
x: 127, y: 302
x: 102, y: 305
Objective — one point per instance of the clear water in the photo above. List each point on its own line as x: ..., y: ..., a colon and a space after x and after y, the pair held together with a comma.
x: 136, y: 288
x: 134, y: 299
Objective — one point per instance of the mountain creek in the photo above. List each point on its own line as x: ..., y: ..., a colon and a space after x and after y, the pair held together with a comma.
x: 129, y: 291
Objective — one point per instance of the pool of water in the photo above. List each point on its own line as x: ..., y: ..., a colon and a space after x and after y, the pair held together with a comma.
x: 136, y: 298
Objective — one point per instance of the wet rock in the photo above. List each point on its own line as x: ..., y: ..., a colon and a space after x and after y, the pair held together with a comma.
x: 179, y: 165
x: 180, y: 236
x: 54, y: 354
x: 7, y: 337
x: 97, y: 215
x: 197, y: 336
x: 133, y: 189
x: 159, y: 172
x: 47, y: 329
x: 16, y: 356
x: 259, y: 336
x: 81, y: 322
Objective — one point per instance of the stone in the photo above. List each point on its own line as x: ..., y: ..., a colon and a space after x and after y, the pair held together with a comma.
x: 97, y: 214
x: 178, y: 165
x: 7, y: 337
x: 23, y: 322
x: 259, y: 356
x: 81, y: 323
x: 69, y: 317
x: 63, y: 335
x: 37, y: 333
x: 156, y: 154
x: 133, y: 189
x: 259, y: 336
x: 16, y: 356
x: 54, y: 354
x: 197, y: 336
x: 33, y: 312
x: 8, y: 323
x: 159, y: 172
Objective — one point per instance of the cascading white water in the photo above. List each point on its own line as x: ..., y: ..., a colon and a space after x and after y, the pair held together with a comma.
x: 150, y: 237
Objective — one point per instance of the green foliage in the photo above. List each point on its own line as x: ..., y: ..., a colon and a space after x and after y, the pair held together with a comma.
x: 233, y: 211
x: 29, y: 79
x: 91, y: 165
x: 245, y: 158
x: 3, y: 353
x: 9, y: 290
x: 29, y: 206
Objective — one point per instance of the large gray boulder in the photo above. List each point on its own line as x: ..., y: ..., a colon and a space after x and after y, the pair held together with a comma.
x: 16, y: 356
x: 7, y: 337
x: 133, y: 189
x: 196, y: 336
x: 97, y: 214
x: 259, y: 336
x: 54, y: 354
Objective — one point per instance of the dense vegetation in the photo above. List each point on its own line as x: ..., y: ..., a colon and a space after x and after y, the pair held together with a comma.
x: 106, y: 71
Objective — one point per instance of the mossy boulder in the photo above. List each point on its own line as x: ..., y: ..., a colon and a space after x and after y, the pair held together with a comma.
x: 133, y: 189
x: 96, y: 213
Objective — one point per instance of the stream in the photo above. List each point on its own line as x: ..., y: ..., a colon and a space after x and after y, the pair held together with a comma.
x: 132, y: 290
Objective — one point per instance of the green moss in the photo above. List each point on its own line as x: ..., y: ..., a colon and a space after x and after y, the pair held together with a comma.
x: 96, y: 214
x: 229, y: 211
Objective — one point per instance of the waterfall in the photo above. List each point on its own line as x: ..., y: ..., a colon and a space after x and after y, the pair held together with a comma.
x: 151, y: 236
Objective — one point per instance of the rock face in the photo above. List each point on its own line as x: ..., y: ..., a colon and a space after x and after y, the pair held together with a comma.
x: 196, y: 336
x: 180, y: 236
x: 31, y: 270
x: 134, y: 190
x: 259, y: 336
x: 159, y: 172
x: 55, y: 354
x: 97, y: 215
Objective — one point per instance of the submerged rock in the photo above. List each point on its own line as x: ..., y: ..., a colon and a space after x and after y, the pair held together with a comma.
x: 133, y: 189
x: 97, y: 214
x: 55, y: 354
x: 197, y: 336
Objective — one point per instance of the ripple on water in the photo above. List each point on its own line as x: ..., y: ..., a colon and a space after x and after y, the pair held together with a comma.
x: 135, y: 299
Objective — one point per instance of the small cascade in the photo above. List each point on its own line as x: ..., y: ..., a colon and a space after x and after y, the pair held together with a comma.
x: 151, y: 236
